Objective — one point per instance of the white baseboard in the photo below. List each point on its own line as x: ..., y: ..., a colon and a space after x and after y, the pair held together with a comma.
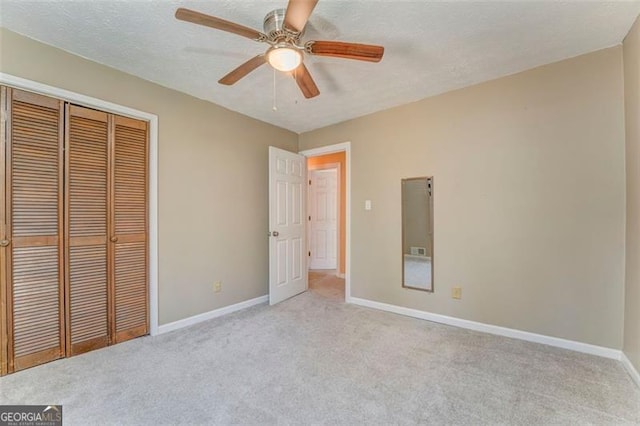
x: 492, y: 329
x: 630, y: 369
x: 186, y: 322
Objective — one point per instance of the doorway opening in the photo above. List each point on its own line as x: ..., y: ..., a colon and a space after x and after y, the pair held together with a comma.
x: 326, y: 224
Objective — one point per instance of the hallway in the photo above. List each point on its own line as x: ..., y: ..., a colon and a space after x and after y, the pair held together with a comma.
x: 325, y: 283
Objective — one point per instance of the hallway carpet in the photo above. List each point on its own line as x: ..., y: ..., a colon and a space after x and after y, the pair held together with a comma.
x: 325, y: 283
x: 312, y: 360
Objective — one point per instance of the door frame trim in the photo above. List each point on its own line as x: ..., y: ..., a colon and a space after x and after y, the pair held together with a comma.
x: 77, y: 98
x: 332, y: 149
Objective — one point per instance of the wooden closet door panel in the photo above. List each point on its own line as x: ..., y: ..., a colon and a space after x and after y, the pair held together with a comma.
x: 4, y: 357
x: 35, y: 307
x: 86, y: 231
x: 129, y: 212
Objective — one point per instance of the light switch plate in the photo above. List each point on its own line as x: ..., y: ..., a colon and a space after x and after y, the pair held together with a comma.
x: 367, y: 205
x: 456, y: 292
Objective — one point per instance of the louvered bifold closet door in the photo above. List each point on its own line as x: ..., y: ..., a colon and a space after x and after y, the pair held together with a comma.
x: 86, y: 215
x: 34, y: 179
x: 4, y: 241
x: 129, y: 228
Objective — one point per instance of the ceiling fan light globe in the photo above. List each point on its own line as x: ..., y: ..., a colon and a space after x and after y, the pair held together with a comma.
x: 284, y: 58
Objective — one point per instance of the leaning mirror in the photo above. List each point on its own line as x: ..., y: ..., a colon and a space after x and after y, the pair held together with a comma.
x: 417, y: 233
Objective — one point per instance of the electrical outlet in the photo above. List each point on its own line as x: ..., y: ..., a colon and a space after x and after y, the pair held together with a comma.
x: 217, y: 287
x: 456, y: 292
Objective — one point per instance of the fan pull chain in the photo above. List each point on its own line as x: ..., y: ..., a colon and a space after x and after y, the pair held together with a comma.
x: 275, y: 105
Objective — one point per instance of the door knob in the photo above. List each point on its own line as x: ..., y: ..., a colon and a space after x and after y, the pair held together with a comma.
x: 114, y: 239
x: 275, y: 233
x: 4, y: 243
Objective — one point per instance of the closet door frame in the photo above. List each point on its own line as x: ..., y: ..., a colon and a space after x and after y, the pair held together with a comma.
x: 152, y: 176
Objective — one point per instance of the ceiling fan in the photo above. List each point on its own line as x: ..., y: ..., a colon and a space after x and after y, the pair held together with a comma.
x: 283, y: 29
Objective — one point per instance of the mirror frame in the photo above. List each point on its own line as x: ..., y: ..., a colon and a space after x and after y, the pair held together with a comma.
x: 430, y: 207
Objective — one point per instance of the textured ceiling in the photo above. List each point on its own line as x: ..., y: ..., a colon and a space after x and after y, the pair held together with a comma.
x: 431, y: 47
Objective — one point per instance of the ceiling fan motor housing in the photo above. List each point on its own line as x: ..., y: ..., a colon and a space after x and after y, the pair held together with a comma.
x: 274, y: 28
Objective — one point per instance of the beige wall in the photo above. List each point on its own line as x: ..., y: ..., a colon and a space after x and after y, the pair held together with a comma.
x: 529, y: 198
x: 213, y: 194
x: 632, y: 113
x: 529, y: 192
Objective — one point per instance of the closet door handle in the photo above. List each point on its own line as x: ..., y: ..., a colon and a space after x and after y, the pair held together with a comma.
x: 4, y: 243
x: 114, y: 239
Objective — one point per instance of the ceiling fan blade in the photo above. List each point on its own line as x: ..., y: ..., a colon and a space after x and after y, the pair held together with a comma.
x: 305, y: 82
x: 298, y: 12
x: 217, y: 23
x: 339, y: 49
x: 242, y: 70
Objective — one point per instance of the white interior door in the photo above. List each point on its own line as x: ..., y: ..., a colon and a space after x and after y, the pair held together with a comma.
x: 323, y: 222
x: 287, y: 233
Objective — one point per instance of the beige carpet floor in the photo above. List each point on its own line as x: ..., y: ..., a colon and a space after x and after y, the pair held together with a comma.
x: 314, y: 360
